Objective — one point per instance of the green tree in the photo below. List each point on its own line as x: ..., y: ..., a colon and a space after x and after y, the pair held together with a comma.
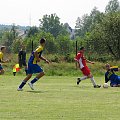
x: 105, y: 37
x: 32, y: 31
x: 51, y: 46
x: 64, y: 43
x: 51, y: 24
x: 87, y: 22
x: 14, y: 31
x: 111, y: 36
x: 113, y: 6
x: 95, y: 18
x: 9, y: 37
x: 16, y: 45
x: 82, y: 25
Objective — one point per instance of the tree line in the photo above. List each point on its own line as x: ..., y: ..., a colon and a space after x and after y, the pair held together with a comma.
x: 98, y: 31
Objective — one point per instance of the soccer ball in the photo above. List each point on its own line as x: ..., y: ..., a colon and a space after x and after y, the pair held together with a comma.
x: 105, y: 85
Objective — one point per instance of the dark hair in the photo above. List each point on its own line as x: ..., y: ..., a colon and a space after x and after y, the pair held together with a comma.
x: 42, y: 40
x: 3, y: 47
x: 81, y: 48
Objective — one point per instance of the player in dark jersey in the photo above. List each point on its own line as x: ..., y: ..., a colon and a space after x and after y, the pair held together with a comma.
x: 33, y: 67
x: 22, y: 58
x: 111, y: 76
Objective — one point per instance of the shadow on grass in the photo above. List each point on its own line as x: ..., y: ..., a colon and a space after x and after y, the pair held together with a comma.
x: 36, y: 91
x: 82, y: 86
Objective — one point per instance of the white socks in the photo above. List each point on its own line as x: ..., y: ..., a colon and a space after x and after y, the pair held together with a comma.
x: 83, y: 78
x: 93, y: 81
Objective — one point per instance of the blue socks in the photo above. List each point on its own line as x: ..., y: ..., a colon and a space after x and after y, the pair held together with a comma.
x: 34, y: 80
x: 22, y: 84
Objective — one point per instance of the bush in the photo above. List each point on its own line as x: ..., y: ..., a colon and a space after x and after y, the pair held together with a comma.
x: 69, y: 58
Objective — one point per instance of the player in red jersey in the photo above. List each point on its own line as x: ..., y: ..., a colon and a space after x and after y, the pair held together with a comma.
x: 84, y: 68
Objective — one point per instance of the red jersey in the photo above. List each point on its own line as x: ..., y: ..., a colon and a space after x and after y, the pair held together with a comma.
x: 80, y: 59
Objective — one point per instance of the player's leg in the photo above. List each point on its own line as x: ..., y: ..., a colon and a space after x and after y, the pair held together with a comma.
x: 118, y: 81
x: 24, y: 82
x: 1, y: 70
x: 93, y: 81
x: 87, y: 72
x: 20, y: 63
x: 41, y: 74
x: 25, y: 66
x: 37, y: 69
x: 113, y: 83
x: 26, y: 70
x: 30, y: 72
x: 80, y: 79
x: 35, y: 80
x: 84, y: 77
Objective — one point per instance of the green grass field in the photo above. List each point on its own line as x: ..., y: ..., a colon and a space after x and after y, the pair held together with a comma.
x: 57, y: 98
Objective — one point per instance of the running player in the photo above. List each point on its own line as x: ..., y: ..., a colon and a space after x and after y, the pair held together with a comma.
x: 80, y: 58
x: 33, y: 67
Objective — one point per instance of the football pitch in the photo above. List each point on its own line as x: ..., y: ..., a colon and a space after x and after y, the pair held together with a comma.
x: 58, y: 98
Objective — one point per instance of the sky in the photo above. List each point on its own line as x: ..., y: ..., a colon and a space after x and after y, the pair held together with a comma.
x: 28, y: 12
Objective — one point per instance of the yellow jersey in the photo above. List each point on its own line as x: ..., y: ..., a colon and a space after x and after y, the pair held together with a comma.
x: 1, y: 56
x: 33, y: 59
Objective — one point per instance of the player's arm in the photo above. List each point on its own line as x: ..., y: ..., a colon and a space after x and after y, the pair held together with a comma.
x: 4, y: 61
x: 37, y: 56
x: 43, y: 58
x: 88, y: 61
x: 115, y: 68
x: 1, y: 58
x: 106, y: 79
x: 36, y: 53
x: 78, y: 56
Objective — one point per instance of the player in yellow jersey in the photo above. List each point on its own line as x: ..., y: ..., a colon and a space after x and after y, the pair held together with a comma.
x: 33, y: 67
x: 3, y: 49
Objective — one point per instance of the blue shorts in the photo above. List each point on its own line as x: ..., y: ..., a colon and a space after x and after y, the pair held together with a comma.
x: 34, y: 68
x: 1, y: 67
x: 115, y: 82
